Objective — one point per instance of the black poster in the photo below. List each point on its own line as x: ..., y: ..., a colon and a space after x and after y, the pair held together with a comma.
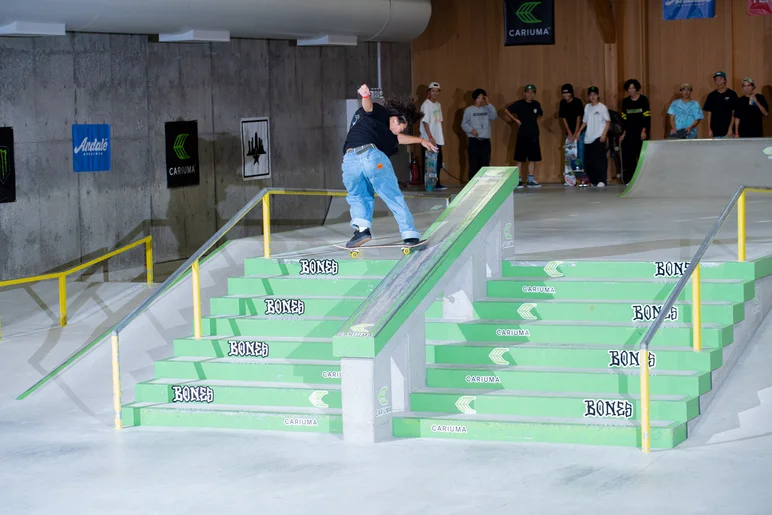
x: 529, y: 23
x: 182, y: 167
x: 7, y: 166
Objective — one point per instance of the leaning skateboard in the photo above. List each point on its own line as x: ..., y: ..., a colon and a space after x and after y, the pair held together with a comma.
x: 571, y: 152
x: 430, y: 173
x: 406, y: 249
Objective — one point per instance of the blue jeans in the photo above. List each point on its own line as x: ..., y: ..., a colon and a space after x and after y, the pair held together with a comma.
x: 368, y: 173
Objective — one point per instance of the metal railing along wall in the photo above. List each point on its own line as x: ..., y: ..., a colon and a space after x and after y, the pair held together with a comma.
x: 692, y: 272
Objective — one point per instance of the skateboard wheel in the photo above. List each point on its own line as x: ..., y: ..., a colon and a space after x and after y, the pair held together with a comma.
x: 406, y: 251
x: 354, y: 254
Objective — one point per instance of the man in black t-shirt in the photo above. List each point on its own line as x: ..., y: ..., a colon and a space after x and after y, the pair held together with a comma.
x: 749, y: 112
x: 526, y: 113
x: 571, y: 111
x: 636, y: 126
x: 720, y: 108
x: 375, y: 133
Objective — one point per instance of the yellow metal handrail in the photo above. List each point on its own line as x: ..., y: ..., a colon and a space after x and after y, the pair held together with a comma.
x: 693, y: 271
x: 62, y: 276
x: 192, y: 263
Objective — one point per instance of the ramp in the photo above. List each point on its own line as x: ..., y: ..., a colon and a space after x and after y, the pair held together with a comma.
x: 702, y: 168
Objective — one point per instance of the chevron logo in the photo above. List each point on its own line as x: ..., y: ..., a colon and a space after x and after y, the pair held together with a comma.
x: 179, y: 147
x: 508, y: 231
x: 525, y: 12
x: 525, y: 311
x: 497, y: 356
x: 551, y: 269
x: 316, y: 399
x: 382, y: 396
x: 463, y: 404
x: 361, y: 328
x: 768, y: 151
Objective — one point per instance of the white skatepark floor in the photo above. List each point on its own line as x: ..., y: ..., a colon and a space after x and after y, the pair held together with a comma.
x: 59, y: 453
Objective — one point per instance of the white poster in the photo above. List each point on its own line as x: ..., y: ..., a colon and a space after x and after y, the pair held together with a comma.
x: 255, y: 148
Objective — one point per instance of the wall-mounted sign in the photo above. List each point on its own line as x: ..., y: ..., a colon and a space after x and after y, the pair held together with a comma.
x: 91, y: 147
x: 760, y: 7
x: 529, y: 23
x: 688, y: 9
x: 255, y: 148
x: 7, y: 166
x: 182, y: 166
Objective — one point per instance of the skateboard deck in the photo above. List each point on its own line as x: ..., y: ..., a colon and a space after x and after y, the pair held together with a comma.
x: 406, y: 249
x: 571, y: 151
x: 430, y: 173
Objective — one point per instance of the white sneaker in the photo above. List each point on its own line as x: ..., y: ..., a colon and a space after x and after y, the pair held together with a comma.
x: 601, y: 185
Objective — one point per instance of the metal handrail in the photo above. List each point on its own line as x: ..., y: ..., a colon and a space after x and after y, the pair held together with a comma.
x: 193, y: 263
x: 693, y: 268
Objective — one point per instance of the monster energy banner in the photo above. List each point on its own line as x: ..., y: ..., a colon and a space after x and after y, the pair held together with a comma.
x: 529, y: 23
x: 182, y: 154
x: 7, y: 168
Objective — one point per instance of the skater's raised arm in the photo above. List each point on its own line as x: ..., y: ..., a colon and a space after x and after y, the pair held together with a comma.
x: 404, y: 139
x: 367, y: 102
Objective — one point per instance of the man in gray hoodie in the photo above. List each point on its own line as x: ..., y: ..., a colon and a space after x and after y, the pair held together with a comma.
x: 477, y: 126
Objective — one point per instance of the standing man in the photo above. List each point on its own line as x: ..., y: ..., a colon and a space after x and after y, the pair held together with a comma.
x: 636, y: 120
x: 373, y: 137
x: 750, y: 111
x: 685, y: 114
x: 526, y: 113
x: 431, y: 127
x: 571, y: 112
x: 597, y: 121
x: 477, y: 126
x: 720, y: 108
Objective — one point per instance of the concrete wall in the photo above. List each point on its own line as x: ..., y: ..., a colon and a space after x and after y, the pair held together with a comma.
x: 62, y: 217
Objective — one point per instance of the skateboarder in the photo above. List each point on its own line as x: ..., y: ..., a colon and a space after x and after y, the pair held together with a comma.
x: 720, y: 106
x: 373, y: 137
x: 597, y: 122
x: 431, y: 128
x: 750, y: 110
x: 526, y: 113
x: 477, y: 126
x: 636, y: 126
x: 571, y: 112
x: 685, y: 114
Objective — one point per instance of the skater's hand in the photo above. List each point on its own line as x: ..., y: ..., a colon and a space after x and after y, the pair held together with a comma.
x: 364, y: 91
x: 710, y: 133
x: 643, y: 135
x: 474, y: 132
x: 603, y: 139
x: 622, y: 137
x: 485, y: 100
x: 432, y: 140
x: 429, y: 145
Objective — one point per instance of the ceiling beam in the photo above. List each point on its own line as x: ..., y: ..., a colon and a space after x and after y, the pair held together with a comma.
x: 605, y: 17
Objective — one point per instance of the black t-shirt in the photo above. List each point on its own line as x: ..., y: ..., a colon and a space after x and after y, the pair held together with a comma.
x: 636, y: 115
x: 720, y: 106
x: 570, y: 111
x: 372, y: 127
x: 751, y: 119
x: 528, y: 113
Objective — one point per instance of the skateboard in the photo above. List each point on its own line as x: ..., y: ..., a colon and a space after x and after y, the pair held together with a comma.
x: 582, y: 180
x: 571, y: 152
x: 430, y: 173
x: 406, y: 249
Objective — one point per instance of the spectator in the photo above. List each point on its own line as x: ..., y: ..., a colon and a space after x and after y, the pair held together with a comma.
x: 597, y: 121
x: 750, y: 111
x: 477, y: 126
x: 636, y: 120
x: 571, y: 111
x: 525, y: 113
x: 431, y: 127
x: 685, y: 114
x: 720, y: 108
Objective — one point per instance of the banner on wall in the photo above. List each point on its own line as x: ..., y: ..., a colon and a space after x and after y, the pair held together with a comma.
x: 182, y: 165
x: 529, y: 23
x: 91, y: 148
x: 7, y: 166
x: 760, y: 7
x: 688, y: 9
x: 255, y: 148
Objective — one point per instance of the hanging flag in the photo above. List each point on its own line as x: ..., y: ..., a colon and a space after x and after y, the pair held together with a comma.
x: 688, y: 9
x: 529, y: 23
x: 759, y: 7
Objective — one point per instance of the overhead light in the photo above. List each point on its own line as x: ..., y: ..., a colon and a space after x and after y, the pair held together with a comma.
x: 33, y: 29
x: 329, y: 40
x: 197, y: 36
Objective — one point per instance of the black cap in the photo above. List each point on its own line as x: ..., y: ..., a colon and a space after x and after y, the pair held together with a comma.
x: 567, y: 88
x: 593, y: 89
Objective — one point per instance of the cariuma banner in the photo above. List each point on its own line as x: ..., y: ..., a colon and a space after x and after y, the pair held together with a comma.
x: 688, y: 9
x: 529, y: 23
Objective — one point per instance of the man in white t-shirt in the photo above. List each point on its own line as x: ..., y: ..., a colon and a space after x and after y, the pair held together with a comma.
x: 431, y: 126
x: 597, y: 122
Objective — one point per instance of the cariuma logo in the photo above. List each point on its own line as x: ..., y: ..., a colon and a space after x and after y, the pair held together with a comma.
x: 5, y: 171
x: 91, y: 146
x: 525, y: 12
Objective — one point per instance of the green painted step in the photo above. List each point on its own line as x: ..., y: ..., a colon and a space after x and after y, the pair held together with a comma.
x: 312, y: 306
x: 628, y: 290
x: 241, y: 369
x: 275, y: 348
x: 596, y: 311
x: 299, y: 286
x: 566, y: 356
x: 664, y: 435
x: 624, y: 269
x: 290, y: 325
x: 163, y: 391
x: 672, y: 335
x: 597, y: 381
x: 489, y: 402
x: 229, y: 417
x: 316, y: 267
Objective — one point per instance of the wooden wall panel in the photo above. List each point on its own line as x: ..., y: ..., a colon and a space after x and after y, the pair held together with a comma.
x: 463, y: 48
